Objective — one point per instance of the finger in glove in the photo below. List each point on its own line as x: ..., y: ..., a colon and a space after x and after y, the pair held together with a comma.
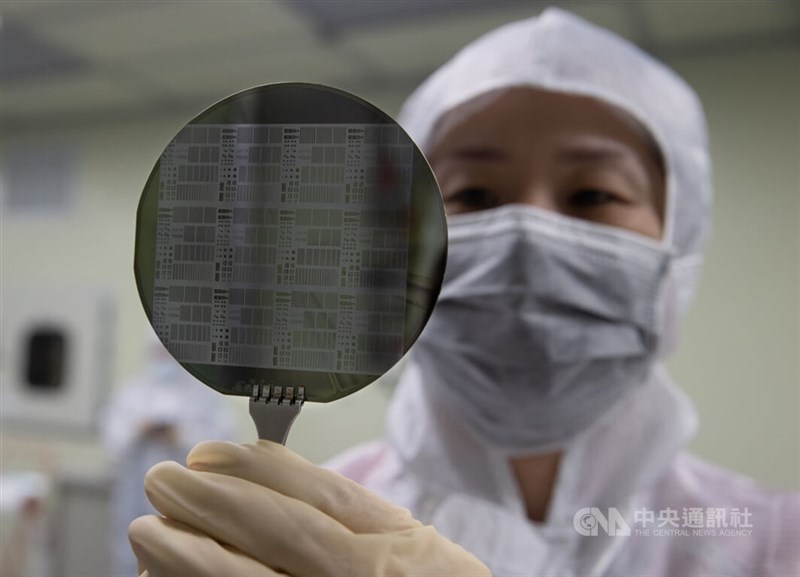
x: 274, y: 466
x: 283, y: 533
x: 166, y: 548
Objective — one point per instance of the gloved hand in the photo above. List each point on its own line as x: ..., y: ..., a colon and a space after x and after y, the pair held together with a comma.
x: 262, y: 510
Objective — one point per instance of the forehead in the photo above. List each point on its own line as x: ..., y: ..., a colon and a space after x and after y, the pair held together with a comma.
x: 519, y: 116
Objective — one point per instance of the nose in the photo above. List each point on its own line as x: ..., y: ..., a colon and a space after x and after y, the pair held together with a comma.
x: 536, y: 194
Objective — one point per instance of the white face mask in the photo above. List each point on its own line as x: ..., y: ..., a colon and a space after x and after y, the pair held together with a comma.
x: 542, y: 324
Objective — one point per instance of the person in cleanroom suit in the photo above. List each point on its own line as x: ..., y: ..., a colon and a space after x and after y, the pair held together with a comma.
x: 158, y: 415
x: 535, y: 429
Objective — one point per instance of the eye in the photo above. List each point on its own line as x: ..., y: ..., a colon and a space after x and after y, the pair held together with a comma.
x: 474, y: 198
x: 589, y: 197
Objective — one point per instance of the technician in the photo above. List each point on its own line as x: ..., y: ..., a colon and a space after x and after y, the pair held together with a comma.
x: 535, y: 425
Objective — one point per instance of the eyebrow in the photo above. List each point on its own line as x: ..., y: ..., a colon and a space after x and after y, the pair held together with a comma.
x: 594, y: 153
x: 589, y: 153
x: 580, y: 153
x: 478, y: 152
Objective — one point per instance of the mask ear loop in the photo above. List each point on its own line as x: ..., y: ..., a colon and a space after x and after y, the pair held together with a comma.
x: 678, y: 289
x: 668, y: 301
x: 683, y: 271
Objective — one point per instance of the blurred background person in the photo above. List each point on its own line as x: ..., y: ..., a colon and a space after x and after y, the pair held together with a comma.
x: 157, y: 416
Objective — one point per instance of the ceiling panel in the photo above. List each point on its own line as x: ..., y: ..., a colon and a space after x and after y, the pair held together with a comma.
x: 141, y: 57
x: 65, y: 95
x: 676, y: 23
x: 223, y: 73
x: 176, y: 28
x: 51, y: 9
x: 423, y: 45
x: 24, y: 56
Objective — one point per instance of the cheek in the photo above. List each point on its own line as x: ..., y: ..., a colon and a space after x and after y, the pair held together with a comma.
x: 634, y: 217
x: 643, y: 220
x: 638, y: 218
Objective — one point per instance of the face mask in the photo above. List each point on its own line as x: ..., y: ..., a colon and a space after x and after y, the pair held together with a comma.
x: 543, y: 323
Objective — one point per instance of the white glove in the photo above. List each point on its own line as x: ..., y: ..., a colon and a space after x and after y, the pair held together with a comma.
x: 262, y: 510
